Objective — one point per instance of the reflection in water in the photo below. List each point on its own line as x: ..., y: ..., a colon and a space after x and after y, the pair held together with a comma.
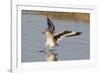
x: 50, y: 55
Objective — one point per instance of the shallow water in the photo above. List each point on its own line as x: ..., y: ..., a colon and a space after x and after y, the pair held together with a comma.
x: 71, y: 48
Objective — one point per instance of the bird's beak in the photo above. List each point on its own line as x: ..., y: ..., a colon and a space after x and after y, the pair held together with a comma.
x: 43, y: 32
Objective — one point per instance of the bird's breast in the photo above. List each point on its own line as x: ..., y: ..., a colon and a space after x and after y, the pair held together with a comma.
x: 50, y: 42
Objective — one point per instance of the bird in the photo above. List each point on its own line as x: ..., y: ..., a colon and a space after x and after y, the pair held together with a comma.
x: 52, y: 38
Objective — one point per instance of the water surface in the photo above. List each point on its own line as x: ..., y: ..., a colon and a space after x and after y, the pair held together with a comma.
x: 71, y: 48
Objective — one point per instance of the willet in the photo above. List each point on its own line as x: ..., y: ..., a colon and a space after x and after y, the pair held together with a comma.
x: 53, y: 38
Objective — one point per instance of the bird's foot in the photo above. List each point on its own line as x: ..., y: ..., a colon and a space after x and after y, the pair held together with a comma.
x: 42, y: 51
x: 52, y: 50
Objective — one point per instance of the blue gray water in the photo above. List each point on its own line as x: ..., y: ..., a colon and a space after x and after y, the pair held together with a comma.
x: 71, y: 48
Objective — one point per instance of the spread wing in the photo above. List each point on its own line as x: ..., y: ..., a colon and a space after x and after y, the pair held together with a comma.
x: 63, y: 34
x: 51, y: 27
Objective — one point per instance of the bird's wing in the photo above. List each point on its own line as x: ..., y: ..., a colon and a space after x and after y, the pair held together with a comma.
x: 51, y: 27
x: 63, y: 34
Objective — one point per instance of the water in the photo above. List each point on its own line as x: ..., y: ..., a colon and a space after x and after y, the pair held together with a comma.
x: 71, y: 48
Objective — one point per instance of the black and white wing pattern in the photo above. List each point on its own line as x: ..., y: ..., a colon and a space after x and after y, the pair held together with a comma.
x: 63, y: 34
x: 51, y: 27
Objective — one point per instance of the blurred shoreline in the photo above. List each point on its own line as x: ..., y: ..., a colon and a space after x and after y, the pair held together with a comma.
x: 76, y: 16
